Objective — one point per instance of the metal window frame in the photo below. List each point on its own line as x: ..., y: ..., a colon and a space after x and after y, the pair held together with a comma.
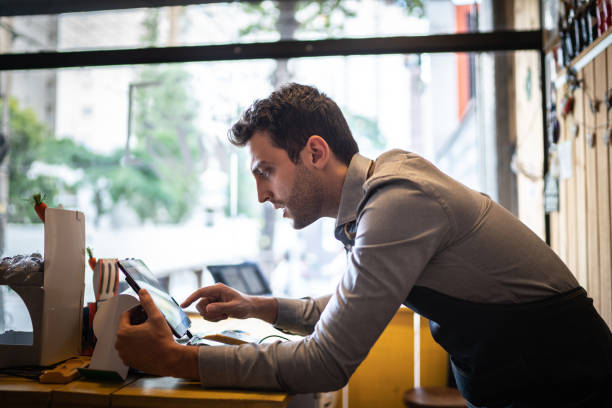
x: 469, y: 42
x: 11, y: 8
x: 464, y: 42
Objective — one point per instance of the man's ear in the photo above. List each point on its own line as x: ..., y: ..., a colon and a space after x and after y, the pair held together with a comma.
x: 317, y: 152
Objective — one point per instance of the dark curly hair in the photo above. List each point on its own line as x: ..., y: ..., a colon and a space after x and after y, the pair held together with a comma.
x: 292, y: 114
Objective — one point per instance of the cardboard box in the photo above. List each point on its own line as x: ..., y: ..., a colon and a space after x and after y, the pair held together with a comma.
x: 55, y: 302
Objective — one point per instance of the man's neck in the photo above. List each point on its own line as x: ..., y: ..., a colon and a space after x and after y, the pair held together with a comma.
x: 333, y: 189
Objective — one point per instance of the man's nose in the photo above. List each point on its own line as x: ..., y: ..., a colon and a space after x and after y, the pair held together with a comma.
x: 263, y: 194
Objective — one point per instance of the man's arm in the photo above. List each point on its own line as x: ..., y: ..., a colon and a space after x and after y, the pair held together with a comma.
x: 299, y: 316
x: 183, y: 363
x: 265, y: 308
x: 218, y: 302
x: 150, y: 346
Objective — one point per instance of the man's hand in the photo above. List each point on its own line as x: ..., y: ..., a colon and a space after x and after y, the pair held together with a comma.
x: 150, y: 346
x: 218, y: 302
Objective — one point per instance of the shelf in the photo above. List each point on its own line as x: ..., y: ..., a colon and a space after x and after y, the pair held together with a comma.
x: 587, y: 55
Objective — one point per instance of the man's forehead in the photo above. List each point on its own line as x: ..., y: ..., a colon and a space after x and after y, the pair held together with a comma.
x: 263, y: 151
x: 260, y: 138
x: 258, y: 145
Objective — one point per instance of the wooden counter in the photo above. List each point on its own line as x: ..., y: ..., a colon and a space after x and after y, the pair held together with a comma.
x: 134, y: 392
x: 171, y: 392
x: 86, y: 393
x: 21, y: 392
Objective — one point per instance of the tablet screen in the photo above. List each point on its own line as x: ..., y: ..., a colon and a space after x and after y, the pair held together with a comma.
x: 139, y: 276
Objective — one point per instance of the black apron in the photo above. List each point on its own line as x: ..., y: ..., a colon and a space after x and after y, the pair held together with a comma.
x: 554, y: 352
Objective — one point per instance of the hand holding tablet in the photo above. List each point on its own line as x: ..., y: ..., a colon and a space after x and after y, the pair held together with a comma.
x: 138, y: 276
x: 150, y: 346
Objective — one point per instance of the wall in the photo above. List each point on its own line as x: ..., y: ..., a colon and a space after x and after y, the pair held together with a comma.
x: 580, y: 230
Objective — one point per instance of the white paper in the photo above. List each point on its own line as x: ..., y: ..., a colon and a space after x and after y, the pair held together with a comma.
x: 565, y: 160
x: 106, y: 320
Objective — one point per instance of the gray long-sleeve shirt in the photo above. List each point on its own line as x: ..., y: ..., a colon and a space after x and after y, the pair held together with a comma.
x: 408, y: 224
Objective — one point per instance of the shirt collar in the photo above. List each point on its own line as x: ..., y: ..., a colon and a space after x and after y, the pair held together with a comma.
x: 352, y: 190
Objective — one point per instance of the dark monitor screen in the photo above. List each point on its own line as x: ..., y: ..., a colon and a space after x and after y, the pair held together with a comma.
x: 245, y: 277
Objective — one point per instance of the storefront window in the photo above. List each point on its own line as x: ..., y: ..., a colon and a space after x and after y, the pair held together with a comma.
x: 142, y: 151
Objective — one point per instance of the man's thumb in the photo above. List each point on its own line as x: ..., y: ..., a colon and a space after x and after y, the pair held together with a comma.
x: 147, y: 302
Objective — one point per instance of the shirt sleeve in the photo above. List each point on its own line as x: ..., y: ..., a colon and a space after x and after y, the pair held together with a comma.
x: 398, y: 231
x: 299, y: 316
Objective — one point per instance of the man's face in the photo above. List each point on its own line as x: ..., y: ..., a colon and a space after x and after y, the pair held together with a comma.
x: 292, y: 187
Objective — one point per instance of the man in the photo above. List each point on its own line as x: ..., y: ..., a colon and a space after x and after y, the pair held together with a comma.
x: 519, y: 329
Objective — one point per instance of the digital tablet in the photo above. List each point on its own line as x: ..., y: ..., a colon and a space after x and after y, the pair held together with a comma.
x: 138, y: 276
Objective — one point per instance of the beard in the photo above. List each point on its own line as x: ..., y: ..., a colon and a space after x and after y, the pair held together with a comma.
x: 306, y: 199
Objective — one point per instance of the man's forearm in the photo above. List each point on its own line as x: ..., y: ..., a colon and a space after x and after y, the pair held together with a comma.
x: 265, y: 308
x: 183, y: 362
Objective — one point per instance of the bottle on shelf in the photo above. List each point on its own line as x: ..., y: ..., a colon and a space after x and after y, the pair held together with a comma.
x: 562, y: 55
x: 592, y: 20
x: 584, y: 25
x: 564, y: 36
x: 574, y: 20
x: 602, y: 16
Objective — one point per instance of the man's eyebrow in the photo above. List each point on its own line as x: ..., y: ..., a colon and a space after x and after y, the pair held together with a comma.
x: 255, y: 166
